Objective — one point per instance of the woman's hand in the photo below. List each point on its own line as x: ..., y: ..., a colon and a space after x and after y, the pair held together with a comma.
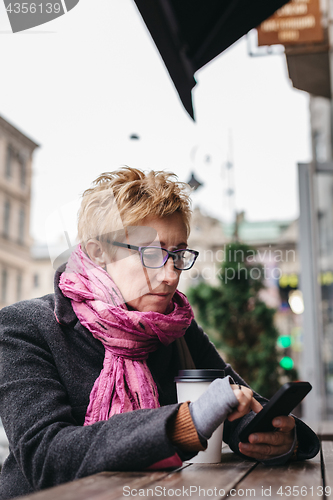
x: 266, y: 445
x: 246, y: 401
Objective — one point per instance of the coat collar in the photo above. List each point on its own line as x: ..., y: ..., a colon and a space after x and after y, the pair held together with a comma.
x: 63, y: 309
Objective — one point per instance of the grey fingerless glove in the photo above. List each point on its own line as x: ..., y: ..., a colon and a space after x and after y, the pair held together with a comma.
x: 213, y: 406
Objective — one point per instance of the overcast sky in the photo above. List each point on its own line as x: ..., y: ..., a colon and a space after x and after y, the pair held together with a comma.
x: 81, y: 84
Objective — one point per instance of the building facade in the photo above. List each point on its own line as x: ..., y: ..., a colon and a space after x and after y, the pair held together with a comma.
x: 310, y: 69
x: 16, y: 153
x: 321, y: 133
x: 208, y: 237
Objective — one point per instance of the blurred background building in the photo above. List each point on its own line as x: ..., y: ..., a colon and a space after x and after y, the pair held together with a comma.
x: 16, y: 151
x: 276, y: 245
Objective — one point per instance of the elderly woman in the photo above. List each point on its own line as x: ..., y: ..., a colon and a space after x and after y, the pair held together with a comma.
x: 87, y: 373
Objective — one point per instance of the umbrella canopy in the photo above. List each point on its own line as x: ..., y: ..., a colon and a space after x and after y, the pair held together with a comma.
x: 190, y: 33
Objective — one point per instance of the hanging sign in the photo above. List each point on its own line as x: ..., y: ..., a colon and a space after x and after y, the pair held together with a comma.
x: 297, y: 22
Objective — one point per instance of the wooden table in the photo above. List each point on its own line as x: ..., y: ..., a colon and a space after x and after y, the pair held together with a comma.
x: 232, y: 478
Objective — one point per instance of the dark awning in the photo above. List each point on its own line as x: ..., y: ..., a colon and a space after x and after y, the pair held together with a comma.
x: 190, y: 33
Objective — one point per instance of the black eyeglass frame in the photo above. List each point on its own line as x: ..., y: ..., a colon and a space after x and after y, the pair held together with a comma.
x: 173, y: 255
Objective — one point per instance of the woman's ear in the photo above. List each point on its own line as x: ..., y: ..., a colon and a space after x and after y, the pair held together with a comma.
x: 96, y: 253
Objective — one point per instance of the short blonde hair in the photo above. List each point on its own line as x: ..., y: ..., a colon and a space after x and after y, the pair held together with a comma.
x: 133, y: 195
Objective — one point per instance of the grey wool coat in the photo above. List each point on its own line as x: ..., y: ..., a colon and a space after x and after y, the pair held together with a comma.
x: 47, y: 370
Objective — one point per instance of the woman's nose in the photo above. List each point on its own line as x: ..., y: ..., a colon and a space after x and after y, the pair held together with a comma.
x: 170, y: 274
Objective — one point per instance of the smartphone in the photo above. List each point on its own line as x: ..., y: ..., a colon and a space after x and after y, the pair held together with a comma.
x: 282, y: 403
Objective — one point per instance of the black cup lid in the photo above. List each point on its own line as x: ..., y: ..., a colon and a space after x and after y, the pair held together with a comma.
x: 206, y: 375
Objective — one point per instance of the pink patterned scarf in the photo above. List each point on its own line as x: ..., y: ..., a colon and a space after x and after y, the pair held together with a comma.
x: 125, y: 382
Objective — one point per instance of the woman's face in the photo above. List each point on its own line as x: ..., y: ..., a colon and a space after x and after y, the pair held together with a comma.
x: 145, y: 289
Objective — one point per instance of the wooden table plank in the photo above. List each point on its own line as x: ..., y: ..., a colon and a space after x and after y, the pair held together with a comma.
x: 199, y: 481
x: 327, y: 451
x: 103, y: 485
x: 283, y: 482
x: 232, y: 478
x: 194, y: 480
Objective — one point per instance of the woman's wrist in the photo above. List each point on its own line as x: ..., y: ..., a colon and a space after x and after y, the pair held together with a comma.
x: 182, y: 431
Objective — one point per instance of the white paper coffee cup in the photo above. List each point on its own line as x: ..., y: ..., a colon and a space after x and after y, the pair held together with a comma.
x: 190, y: 385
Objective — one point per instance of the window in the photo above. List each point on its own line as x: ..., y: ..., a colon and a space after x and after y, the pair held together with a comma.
x: 23, y: 171
x: 4, y: 279
x: 21, y: 225
x: 9, y: 160
x: 36, y: 280
x: 6, y: 219
x: 19, y: 280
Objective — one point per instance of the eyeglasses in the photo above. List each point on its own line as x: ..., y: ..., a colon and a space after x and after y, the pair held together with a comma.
x: 156, y: 257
